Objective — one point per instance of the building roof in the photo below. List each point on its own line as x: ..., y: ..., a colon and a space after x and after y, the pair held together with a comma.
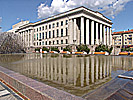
x: 122, y: 32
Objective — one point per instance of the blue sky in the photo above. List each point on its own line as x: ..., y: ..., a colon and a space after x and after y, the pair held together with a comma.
x: 12, y: 11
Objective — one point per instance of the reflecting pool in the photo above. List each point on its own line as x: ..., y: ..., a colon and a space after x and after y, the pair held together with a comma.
x: 72, y: 73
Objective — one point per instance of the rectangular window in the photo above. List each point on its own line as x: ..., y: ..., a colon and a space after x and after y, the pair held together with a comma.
x: 46, y: 35
x: 46, y: 43
x: 66, y: 31
x: 37, y: 29
x: 61, y: 32
x: 49, y: 26
x: 53, y: 25
x: 34, y: 36
x: 66, y: 41
x: 37, y: 43
x: 66, y: 22
x: 49, y: 34
x: 37, y: 36
x: 42, y: 42
x: 61, y: 23
x: 53, y: 34
x: 46, y: 27
x: 49, y: 42
x: 53, y: 42
x: 57, y: 32
x: 42, y: 27
x: 61, y: 41
x: 43, y: 35
x: 40, y: 36
x: 57, y: 25
x: 57, y: 41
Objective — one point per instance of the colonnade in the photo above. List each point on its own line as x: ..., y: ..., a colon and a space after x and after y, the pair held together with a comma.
x: 27, y: 37
x: 91, y: 32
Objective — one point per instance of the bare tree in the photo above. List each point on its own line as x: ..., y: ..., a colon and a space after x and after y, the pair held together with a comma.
x: 11, y: 43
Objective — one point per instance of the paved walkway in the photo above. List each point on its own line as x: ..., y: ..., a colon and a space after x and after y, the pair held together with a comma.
x: 7, y: 94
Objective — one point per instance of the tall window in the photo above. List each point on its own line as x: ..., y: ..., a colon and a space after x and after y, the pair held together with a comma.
x: 42, y: 27
x: 57, y: 25
x: 57, y: 41
x: 53, y: 42
x: 34, y: 36
x: 46, y: 43
x: 42, y: 42
x: 46, y: 27
x: 37, y: 43
x: 37, y: 36
x: 37, y: 29
x: 61, y: 32
x: 53, y: 34
x: 57, y: 32
x: 46, y: 35
x: 66, y: 22
x: 61, y: 41
x: 66, y: 41
x: 61, y: 23
x: 49, y: 34
x: 43, y: 35
x: 40, y: 35
x: 49, y: 26
x: 66, y: 31
x: 53, y: 25
x: 49, y: 42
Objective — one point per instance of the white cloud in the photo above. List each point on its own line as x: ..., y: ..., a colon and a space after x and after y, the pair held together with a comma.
x: 108, y: 7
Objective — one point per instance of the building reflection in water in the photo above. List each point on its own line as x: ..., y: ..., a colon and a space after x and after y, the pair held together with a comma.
x: 76, y: 72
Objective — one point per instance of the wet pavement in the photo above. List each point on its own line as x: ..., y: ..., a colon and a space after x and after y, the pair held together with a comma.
x: 7, y: 94
x: 117, y: 89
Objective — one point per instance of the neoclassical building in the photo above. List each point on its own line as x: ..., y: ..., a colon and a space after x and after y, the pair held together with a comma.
x: 74, y: 27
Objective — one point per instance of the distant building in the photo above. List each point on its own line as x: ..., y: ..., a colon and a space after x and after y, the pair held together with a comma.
x: 123, y: 38
x: 15, y: 27
x: 74, y: 27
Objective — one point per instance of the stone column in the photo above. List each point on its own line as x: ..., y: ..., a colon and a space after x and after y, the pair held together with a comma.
x: 74, y: 36
x: 107, y: 36
x: 101, y: 40
x: 104, y: 35
x: 70, y: 33
x: 110, y: 33
x: 82, y: 30
x: 92, y: 33
x: 97, y: 41
x: 31, y: 37
x: 87, y: 31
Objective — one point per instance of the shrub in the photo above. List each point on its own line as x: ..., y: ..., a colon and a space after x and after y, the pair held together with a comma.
x: 55, y: 49
x: 45, y: 49
x: 68, y: 48
x: 37, y: 49
x: 103, y: 48
x: 82, y: 48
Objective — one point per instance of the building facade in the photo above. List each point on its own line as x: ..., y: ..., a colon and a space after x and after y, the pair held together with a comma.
x: 123, y: 38
x: 74, y: 27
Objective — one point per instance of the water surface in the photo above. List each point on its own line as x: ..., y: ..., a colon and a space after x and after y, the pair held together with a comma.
x: 75, y: 74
